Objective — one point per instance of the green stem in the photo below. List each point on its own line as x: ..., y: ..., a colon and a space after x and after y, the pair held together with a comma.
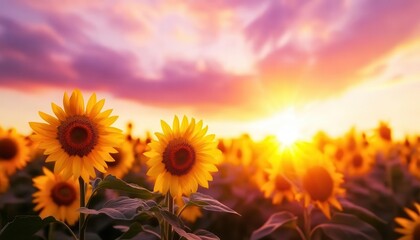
x: 182, y: 209
x: 82, y: 226
x: 301, y: 234
x: 169, y: 200
x: 307, y: 222
x: 69, y: 229
x: 388, y: 169
x: 51, y: 231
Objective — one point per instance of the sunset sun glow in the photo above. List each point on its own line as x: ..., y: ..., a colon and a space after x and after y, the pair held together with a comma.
x: 240, y: 119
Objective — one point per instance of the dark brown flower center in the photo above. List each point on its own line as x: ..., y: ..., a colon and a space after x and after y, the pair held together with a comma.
x: 351, y: 143
x: 339, y: 154
x: 221, y: 146
x: 179, y: 157
x: 282, y: 184
x: 318, y: 183
x: 63, y: 194
x: 416, y: 232
x: 239, y: 153
x: 385, y: 132
x: 357, y: 160
x: 8, y: 149
x: 116, y: 157
x: 77, y: 135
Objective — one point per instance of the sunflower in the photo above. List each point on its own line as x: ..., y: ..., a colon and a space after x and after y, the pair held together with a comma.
x: 182, y: 158
x: 189, y: 214
x: 320, y: 184
x: 79, y: 140
x: 337, y: 154
x: 4, y: 182
x: 124, y: 159
x: 240, y: 151
x: 358, y: 162
x: 410, y: 228
x: 14, y: 152
x: 278, y: 187
x: 57, y: 197
x: 384, y: 132
x: 414, y: 165
x: 141, y: 146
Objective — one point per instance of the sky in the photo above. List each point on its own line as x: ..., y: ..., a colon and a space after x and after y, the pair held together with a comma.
x: 257, y: 67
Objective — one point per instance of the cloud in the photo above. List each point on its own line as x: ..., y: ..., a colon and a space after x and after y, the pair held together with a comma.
x: 329, y: 67
x: 303, y: 50
x: 181, y: 83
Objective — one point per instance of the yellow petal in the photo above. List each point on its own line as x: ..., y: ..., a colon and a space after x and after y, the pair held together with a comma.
x: 175, y: 125
x: 166, y: 129
x: 59, y: 112
x: 66, y: 103
x: 97, y: 108
x: 49, y: 119
x: 91, y: 103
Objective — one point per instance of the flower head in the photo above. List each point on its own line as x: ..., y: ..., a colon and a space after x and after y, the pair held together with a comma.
x: 182, y: 158
x: 278, y: 187
x: 320, y: 184
x: 14, y: 152
x: 124, y: 159
x: 409, y: 228
x: 78, y: 139
x: 57, y: 197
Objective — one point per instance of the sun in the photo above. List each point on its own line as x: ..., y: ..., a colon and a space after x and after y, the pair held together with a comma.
x: 287, y: 127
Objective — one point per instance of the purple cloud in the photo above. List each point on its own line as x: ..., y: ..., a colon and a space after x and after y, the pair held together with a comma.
x: 99, y: 68
x: 374, y: 30
x: 60, y: 51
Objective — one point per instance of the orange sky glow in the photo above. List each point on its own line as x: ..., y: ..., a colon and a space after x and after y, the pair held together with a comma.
x: 258, y: 67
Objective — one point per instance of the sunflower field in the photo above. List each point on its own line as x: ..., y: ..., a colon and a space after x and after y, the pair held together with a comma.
x: 79, y: 177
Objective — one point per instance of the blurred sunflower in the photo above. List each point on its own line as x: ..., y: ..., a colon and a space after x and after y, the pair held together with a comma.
x: 320, y: 184
x: 14, y: 152
x: 278, y: 187
x: 414, y: 165
x: 384, y: 132
x: 263, y: 152
x: 4, y: 182
x: 337, y: 154
x: 182, y: 158
x: 79, y: 140
x: 57, y: 197
x: 358, y: 162
x: 141, y: 146
x: 124, y: 158
x: 410, y: 228
x: 129, y: 132
x: 189, y: 214
x: 240, y: 151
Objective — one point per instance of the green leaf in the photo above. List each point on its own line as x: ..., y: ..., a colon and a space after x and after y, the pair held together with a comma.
x: 277, y: 220
x: 363, y: 214
x: 208, y: 203
x: 111, y: 182
x: 200, y: 235
x: 345, y: 227
x: 179, y: 227
x: 122, y: 208
x: 24, y: 227
x: 137, y: 228
x: 206, y: 235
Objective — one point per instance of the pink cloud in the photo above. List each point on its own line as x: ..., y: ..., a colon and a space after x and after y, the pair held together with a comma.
x: 328, y: 69
x: 100, y: 68
x: 59, y: 50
